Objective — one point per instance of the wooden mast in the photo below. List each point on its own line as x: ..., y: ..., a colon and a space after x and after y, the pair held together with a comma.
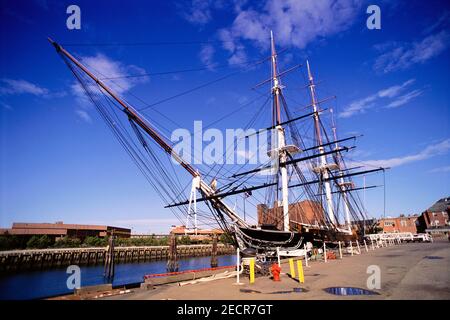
x: 323, y: 167
x: 275, y: 82
x: 344, y: 186
x: 281, y: 141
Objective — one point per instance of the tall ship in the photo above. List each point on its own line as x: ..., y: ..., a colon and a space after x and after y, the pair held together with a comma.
x: 303, y: 192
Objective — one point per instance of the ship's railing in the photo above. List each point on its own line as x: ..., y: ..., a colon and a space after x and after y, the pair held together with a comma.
x: 404, y: 236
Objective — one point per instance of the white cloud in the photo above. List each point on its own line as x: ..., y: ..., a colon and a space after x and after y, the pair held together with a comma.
x: 440, y: 170
x: 13, y: 87
x: 399, y: 56
x: 237, y: 50
x: 112, y: 74
x: 429, y: 152
x: 239, y: 56
x: 206, y: 56
x: 404, y: 99
x: 199, y: 12
x: 359, y: 106
x: 83, y: 115
x: 104, y: 68
x: 394, y: 90
x: 293, y: 22
x: 21, y: 86
x: 362, y: 105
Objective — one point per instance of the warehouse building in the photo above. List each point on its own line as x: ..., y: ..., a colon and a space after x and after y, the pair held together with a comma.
x: 59, y: 230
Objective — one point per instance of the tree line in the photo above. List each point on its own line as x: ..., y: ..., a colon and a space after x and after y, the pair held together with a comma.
x: 11, y: 242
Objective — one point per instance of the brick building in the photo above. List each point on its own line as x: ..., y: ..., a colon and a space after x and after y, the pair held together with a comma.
x: 400, y: 224
x: 307, y: 212
x: 59, y: 230
x: 435, y: 216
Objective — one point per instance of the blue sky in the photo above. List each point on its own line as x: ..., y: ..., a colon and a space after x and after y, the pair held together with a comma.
x: 58, y: 161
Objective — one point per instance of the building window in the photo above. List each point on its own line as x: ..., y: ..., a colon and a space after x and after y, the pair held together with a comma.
x: 403, y: 223
x: 388, y: 223
x: 436, y: 223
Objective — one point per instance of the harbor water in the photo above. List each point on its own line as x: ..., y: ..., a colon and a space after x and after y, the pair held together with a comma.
x: 52, y: 282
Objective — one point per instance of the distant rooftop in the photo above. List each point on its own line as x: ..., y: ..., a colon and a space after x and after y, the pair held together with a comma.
x: 182, y: 230
x: 440, y: 205
x: 61, y: 229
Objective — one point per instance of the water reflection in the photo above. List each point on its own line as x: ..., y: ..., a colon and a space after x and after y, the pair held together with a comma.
x: 39, y: 284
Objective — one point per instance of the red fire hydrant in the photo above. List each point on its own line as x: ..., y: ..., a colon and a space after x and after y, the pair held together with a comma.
x: 275, y: 270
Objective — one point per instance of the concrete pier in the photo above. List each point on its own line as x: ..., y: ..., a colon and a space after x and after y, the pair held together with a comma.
x: 48, y: 258
x: 408, y: 271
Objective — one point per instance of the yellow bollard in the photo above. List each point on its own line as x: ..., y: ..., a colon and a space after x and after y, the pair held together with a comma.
x: 252, y: 270
x: 291, y: 266
x: 301, y: 276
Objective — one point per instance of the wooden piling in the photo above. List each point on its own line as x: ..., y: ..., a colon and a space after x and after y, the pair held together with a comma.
x: 109, y: 258
x: 172, y: 261
x: 214, y: 262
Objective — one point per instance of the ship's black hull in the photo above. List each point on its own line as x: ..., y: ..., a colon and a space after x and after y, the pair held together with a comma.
x: 255, y: 240
x: 283, y: 238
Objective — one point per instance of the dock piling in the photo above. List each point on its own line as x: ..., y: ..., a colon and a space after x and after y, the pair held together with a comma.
x: 172, y: 261
x: 214, y: 262
x: 109, y: 258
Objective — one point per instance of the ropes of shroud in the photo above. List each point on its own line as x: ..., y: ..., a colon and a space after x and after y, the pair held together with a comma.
x: 151, y: 166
